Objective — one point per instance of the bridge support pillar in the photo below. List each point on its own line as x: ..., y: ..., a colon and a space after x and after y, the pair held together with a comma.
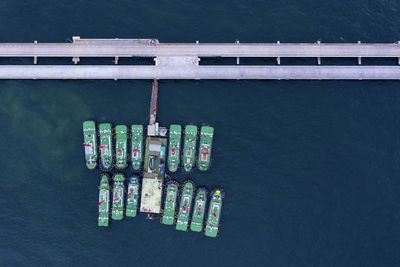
x: 116, y: 60
x: 75, y: 60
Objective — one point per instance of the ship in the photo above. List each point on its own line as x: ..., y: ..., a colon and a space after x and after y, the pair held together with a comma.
x: 174, y: 147
x: 206, y: 138
x: 104, y: 201
x: 132, y: 197
x: 199, y: 210
x: 137, y: 146
x: 170, y: 203
x: 106, y: 146
x: 118, y: 197
x: 214, y: 213
x: 121, y: 143
x: 189, y: 150
x: 185, y: 206
x: 90, y: 144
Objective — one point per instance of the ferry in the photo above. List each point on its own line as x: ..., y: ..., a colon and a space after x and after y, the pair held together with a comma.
x: 170, y: 203
x: 132, y: 197
x: 90, y: 144
x: 185, y: 206
x: 199, y: 210
x: 214, y: 213
x: 106, y: 146
x: 174, y: 147
x: 137, y: 146
x: 121, y: 139
x: 189, y: 150
x: 104, y: 201
x: 118, y: 197
x: 206, y: 138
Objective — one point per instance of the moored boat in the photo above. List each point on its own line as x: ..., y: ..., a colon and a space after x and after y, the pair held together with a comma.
x: 106, y: 146
x: 118, y: 197
x: 214, y: 213
x: 170, y: 203
x: 90, y: 144
x: 199, y: 210
x: 206, y: 138
x: 137, y: 146
x: 104, y: 201
x: 174, y: 147
x: 121, y: 146
x: 185, y: 206
x: 189, y: 149
x: 132, y: 197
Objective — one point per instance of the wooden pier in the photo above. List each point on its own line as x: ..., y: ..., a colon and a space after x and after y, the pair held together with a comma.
x: 181, y: 60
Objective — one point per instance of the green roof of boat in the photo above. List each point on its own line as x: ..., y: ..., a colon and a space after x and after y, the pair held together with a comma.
x: 204, y: 157
x: 137, y: 146
x: 121, y: 146
x: 189, y: 149
x: 90, y: 144
x: 106, y: 146
x: 104, y: 201
x: 170, y: 203
x: 185, y: 206
x: 132, y: 197
x: 214, y: 213
x: 174, y: 147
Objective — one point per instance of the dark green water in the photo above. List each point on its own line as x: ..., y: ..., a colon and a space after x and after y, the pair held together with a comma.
x: 311, y: 168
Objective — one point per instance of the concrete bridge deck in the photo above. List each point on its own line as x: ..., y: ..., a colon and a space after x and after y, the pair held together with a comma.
x: 200, y: 72
x: 152, y: 48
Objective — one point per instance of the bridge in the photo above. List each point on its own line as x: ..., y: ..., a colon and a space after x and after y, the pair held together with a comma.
x: 181, y: 60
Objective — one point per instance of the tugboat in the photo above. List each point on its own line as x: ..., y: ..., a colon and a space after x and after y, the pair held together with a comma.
x: 106, y: 151
x: 206, y: 138
x: 121, y: 137
x: 189, y: 150
x: 198, y: 211
x: 132, y: 197
x: 174, y: 147
x: 170, y: 203
x: 118, y: 197
x: 137, y: 146
x: 104, y: 201
x: 214, y: 213
x: 185, y: 206
x: 90, y: 144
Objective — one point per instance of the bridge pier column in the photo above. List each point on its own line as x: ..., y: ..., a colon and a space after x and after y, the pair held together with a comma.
x: 116, y: 60
x: 75, y: 60
x: 35, y: 57
x: 319, y: 58
x: 359, y: 58
x: 278, y: 59
x: 237, y: 59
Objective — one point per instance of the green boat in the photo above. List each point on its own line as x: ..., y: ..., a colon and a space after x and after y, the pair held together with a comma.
x: 132, y: 197
x: 206, y: 138
x: 104, y: 201
x: 137, y: 146
x: 106, y: 146
x: 118, y: 197
x: 185, y: 206
x: 90, y: 144
x: 121, y: 139
x: 170, y: 203
x: 214, y: 213
x: 199, y: 210
x: 189, y: 150
x: 174, y: 147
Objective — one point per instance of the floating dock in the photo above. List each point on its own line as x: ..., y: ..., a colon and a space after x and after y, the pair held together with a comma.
x: 181, y: 60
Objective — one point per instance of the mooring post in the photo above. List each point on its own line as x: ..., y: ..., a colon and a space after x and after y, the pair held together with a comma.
x: 319, y: 58
x: 35, y: 57
x: 75, y: 60
x: 359, y: 58
x: 238, y: 58
x: 153, y: 102
x: 278, y: 59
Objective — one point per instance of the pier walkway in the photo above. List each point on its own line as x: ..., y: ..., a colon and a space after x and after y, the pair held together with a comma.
x: 181, y: 61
